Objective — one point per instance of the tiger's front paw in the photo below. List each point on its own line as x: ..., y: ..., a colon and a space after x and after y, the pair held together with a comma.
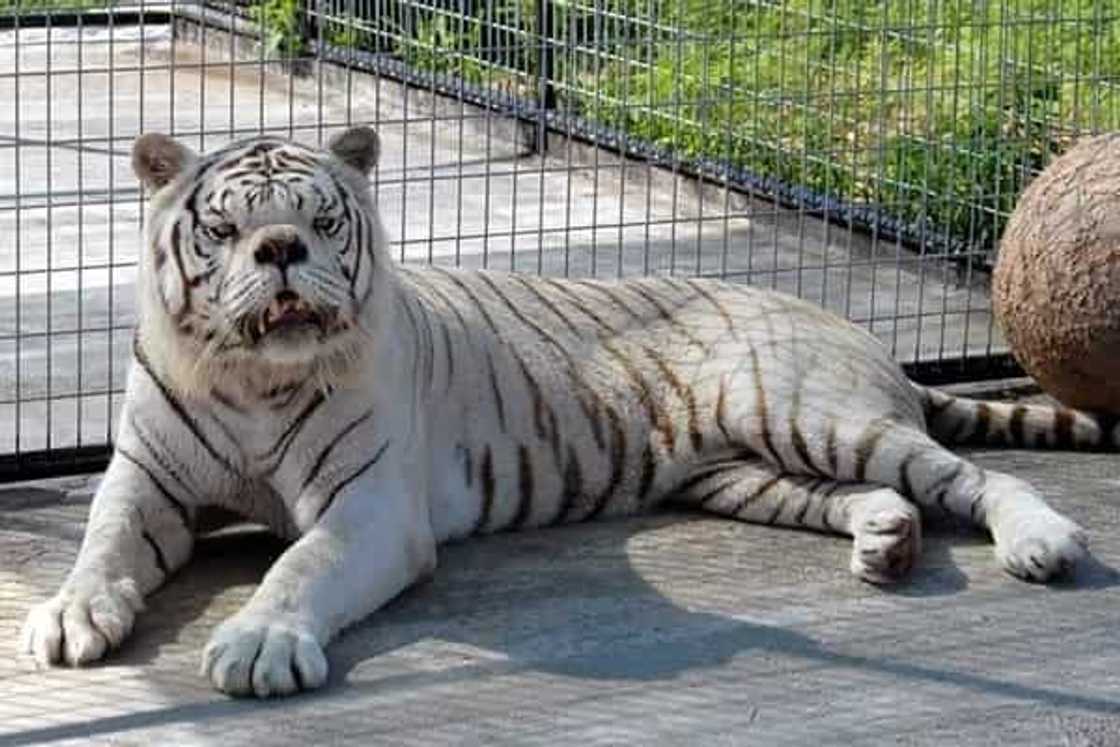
x: 81, y: 622
x: 250, y: 655
x: 1039, y: 545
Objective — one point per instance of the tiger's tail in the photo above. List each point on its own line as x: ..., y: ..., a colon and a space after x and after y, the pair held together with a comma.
x: 959, y: 420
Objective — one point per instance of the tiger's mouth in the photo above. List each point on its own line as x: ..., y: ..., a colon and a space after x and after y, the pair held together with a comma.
x: 290, y: 315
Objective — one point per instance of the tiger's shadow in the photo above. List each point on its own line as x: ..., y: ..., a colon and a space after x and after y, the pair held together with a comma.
x: 633, y: 599
x: 618, y: 600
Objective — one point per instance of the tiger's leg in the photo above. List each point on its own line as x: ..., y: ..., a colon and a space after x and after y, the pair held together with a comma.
x: 1032, y: 540
x: 137, y: 534
x: 885, y: 527
x: 369, y: 545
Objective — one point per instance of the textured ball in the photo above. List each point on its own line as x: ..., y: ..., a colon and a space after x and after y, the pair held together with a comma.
x: 1056, y: 286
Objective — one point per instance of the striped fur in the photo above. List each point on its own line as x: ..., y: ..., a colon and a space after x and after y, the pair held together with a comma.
x: 408, y: 407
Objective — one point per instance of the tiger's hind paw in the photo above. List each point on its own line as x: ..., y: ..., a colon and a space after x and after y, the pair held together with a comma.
x: 886, y: 544
x: 1040, y: 545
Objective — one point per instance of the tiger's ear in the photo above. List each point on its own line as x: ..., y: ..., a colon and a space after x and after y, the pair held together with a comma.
x: 358, y: 148
x: 157, y: 159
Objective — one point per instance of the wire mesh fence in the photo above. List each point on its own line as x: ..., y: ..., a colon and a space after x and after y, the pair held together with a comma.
x: 861, y: 155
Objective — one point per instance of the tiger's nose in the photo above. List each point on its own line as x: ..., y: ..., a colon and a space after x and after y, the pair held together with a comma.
x: 281, y: 251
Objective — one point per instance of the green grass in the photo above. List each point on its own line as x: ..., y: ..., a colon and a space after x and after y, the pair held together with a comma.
x: 935, y: 111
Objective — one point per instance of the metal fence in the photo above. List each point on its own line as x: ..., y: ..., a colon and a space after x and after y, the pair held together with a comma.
x: 862, y: 155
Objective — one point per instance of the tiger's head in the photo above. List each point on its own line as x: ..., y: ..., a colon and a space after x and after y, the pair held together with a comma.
x: 261, y: 259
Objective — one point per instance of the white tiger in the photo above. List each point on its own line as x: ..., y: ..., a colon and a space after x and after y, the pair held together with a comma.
x: 287, y: 369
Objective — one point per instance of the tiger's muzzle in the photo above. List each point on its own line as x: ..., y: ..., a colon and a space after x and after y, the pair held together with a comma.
x: 290, y: 316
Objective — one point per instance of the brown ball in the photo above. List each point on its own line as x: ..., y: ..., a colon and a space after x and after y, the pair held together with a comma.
x: 1056, y: 286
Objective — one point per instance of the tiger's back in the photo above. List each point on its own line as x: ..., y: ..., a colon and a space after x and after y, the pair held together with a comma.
x: 556, y: 400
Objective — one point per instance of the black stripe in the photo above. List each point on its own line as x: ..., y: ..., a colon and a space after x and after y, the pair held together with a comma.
x: 831, y: 448
x: 1063, y: 427
x: 654, y: 411
x: 983, y: 422
x: 798, y: 438
x: 535, y: 394
x: 932, y: 407
x: 779, y: 504
x: 703, y: 292
x: 470, y: 294
x: 525, y: 487
x: 591, y: 413
x: 1106, y: 424
x: 191, y: 206
x: 364, y: 247
x: 606, y: 292
x: 583, y: 308
x: 663, y: 312
x: 517, y: 313
x: 443, y: 297
x: 322, y: 459
x: 486, y: 477
x: 1015, y: 425
x: 354, y: 476
x: 799, y: 517
x: 177, y: 407
x: 417, y: 335
x: 938, y: 489
x: 547, y: 303
x: 649, y: 473
x: 721, y: 408
x: 177, y: 254
x: 573, y: 485
x: 975, y: 506
x: 289, y: 434
x: 161, y: 458
x: 161, y: 560
x: 430, y: 348
x: 496, y: 390
x: 904, y: 484
x: 865, y: 447
x: 554, y: 435
x: 176, y: 504
x: 450, y: 353
x: 801, y: 447
x: 763, y: 411
x: 684, y: 392
x: 716, y: 492
x: 826, y: 508
x: 225, y: 401
x: 279, y: 398
x: 758, y: 493
x: 618, y: 464
x: 707, y: 473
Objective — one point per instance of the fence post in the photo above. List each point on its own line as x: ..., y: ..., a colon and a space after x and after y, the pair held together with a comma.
x: 546, y: 94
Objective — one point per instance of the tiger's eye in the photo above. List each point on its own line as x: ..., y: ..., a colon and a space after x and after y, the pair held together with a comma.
x: 325, y: 225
